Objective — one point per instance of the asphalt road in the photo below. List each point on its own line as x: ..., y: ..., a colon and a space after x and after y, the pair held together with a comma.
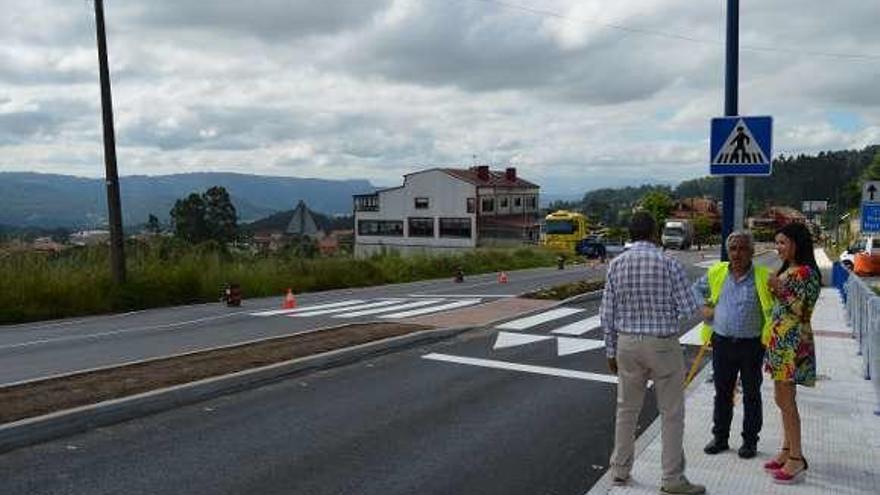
x: 522, y: 409
x: 38, y: 350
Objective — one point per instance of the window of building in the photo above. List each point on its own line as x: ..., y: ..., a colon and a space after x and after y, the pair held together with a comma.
x: 517, y: 202
x: 471, y: 205
x: 455, y: 227
x: 422, y: 203
x: 389, y: 228
x: 366, y: 203
x: 532, y: 202
x: 502, y: 202
x: 421, y: 227
x: 488, y: 205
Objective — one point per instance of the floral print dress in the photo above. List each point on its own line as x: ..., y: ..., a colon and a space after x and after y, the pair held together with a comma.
x: 791, y: 353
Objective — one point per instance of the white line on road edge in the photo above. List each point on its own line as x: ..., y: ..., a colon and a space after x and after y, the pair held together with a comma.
x: 579, y: 327
x: 530, y: 321
x: 275, y: 312
x: 415, y: 304
x: 433, y: 309
x: 538, y: 370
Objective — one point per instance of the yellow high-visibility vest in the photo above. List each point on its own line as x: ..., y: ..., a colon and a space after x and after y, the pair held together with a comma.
x: 716, y: 276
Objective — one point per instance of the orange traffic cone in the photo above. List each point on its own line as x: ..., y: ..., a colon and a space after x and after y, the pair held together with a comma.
x: 289, y: 300
x: 502, y: 278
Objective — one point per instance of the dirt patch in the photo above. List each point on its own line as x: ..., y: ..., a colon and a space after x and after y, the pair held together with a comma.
x: 564, y: 291
x: 56, y: 394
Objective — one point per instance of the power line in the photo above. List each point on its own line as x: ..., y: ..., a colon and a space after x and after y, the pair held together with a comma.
x: 676, y: 36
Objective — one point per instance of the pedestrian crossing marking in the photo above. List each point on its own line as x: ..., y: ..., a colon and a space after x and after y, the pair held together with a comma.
x: 276, y: 312
x: 571, y: 345
x: 346, y: 308
x: 692, y: 337
x: 414, y: 304
x: 740, y: 147
x: 531, y: 321
x: 433, y: 309
x: 579, y: 327
x: 509, y: 339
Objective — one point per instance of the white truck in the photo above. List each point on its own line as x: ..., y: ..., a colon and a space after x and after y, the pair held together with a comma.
x: 677, y: 234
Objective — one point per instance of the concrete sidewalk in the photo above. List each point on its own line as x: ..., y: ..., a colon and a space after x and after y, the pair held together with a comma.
x: 841, y: 434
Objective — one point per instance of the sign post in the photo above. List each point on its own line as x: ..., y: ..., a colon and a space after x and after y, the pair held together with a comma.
x: 871, y: 207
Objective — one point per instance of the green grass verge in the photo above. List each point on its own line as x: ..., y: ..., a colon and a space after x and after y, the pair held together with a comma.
x: 165, y: 272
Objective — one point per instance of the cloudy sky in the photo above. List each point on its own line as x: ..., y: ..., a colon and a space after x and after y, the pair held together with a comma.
x: 577, y: 94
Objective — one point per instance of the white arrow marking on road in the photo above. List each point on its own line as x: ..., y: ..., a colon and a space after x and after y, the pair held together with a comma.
x: 539, y: 370
x: 433, y: 309
x: 507, y: 339
x: 530, y: 321
x: 347, y: 308
x: 365, y: 312
x: 579, y: 327
x: 693, y: 336
x: 307, y: 308
x: 569, y: 345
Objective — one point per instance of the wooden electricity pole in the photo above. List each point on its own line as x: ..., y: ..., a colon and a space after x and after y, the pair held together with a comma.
x: 114, y: 206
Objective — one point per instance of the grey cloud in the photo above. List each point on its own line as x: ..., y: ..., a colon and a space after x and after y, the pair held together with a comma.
x: 46, y: 122
x: 466, y: 48
x: 270, y: 19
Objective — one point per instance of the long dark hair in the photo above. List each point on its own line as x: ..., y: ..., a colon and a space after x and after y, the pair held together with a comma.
x: 800, y: 235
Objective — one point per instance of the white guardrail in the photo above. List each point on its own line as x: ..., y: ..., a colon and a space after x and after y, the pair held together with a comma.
x: 863, y: 311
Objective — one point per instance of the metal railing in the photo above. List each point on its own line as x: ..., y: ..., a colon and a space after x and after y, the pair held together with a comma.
x: 863, y: 311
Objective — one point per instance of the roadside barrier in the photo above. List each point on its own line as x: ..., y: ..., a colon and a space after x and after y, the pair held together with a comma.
x: 863, y: 312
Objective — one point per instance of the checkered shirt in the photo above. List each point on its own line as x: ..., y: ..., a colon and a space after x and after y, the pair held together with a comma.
x: 646, y: 293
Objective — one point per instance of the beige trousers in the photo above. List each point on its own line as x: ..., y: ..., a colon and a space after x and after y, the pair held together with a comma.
x: 640, y: 358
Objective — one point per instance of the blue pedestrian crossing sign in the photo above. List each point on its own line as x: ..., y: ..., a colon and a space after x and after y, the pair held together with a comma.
x: 741, y: 146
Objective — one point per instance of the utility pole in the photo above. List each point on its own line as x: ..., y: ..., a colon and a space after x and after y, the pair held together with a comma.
x: 734, y: 187
x: 114, y: 206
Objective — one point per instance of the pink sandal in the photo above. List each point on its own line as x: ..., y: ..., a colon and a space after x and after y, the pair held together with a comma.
x: 773, y: 464
x: 783, y: 478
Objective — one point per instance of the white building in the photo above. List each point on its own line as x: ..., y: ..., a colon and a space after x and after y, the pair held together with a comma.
x: 436, y: 210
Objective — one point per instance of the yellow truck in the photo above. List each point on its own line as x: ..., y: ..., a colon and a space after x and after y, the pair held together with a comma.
x: 564, y: 229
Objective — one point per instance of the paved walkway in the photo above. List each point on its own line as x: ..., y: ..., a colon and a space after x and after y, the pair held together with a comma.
x: 841, y: 434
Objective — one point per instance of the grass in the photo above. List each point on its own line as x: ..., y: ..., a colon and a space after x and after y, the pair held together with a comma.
x: 166, y: 272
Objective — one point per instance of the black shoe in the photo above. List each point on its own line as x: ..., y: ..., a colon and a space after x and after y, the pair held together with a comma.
x: 748, y: 450
x: 716, y: 446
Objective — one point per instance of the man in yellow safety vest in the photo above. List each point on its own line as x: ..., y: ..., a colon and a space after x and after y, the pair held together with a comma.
x: 736, y: 315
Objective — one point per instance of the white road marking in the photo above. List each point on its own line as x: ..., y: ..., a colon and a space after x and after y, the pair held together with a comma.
x: 433, y: 309
x: 707, y: 263
x: 530, y: 321
x: 579, y: 327
x: 539, y: 370
x: 508, y: 339
x: 461, y: 295
x: 365, y: 312
x: 346, y: 308
x: 569, y: 345
x: 275, y: 312
x: 692, y: 337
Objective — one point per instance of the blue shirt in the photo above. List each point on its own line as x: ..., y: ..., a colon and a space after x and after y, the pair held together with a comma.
x: 738, y: 312
x: 646, y: 293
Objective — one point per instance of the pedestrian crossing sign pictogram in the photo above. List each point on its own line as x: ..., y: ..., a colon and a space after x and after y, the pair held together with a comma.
x: 741, y: 146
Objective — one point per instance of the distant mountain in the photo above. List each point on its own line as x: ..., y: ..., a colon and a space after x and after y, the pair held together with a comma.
x: 47, y: 200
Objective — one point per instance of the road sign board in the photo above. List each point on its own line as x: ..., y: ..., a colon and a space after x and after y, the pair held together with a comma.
x: 870, y: 217
x: 871, y: 191
x: 741, y: 146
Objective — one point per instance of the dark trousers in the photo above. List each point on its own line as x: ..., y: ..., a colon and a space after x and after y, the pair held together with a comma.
x: 732, y: 357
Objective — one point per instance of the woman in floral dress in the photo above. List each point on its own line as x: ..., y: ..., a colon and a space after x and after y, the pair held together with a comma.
x: 791, y: 356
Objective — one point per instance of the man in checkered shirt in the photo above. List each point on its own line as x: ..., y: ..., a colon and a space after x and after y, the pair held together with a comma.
x: 646, y: 295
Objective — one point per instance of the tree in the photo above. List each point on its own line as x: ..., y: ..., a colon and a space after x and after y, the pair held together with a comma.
x: 153, y: 224
x: 220, y: 215
x: 702, y: 230
x: 873, y: 170
x: 188, y: 217
x: 658, y: 204
x: 210, y: 216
